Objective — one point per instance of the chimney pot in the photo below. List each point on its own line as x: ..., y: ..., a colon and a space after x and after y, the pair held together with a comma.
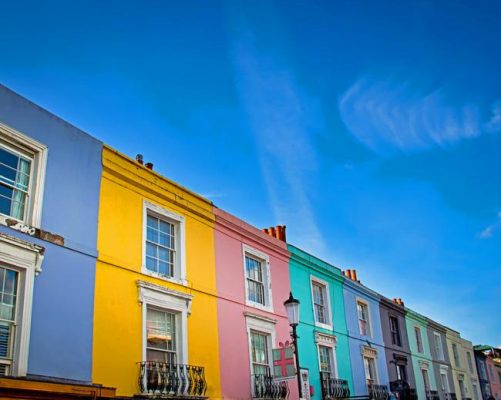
x: 348, y: 273
x: 149, y: 165
x: 354, y: 275
x: 139, y: 158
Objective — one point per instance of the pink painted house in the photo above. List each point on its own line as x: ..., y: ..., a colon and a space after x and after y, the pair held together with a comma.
x: 252, y: 283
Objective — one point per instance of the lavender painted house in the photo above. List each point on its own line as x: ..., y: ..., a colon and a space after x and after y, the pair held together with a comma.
x: 49, y: 191
x: 397, y: 350
x: 365, y: 338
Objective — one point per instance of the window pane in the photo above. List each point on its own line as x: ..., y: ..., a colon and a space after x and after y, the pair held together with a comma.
x: 151, y: 264
x: 325, y: 356
x: 160, y: 335
x: 8, y: 166
x: 152, y: 235
x: 152, y: 222
x: 259, y: 353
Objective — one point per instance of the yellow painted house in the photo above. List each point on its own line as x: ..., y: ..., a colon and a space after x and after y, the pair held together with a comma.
x: 155, y: 313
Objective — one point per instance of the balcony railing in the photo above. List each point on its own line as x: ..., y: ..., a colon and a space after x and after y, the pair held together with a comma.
x: 378, y: 392
x: 266, y: 387
x: 432, y: 395
x: 172, y: 380
x: 402, y: 390
x: 450, y: 396
x: 333, y: 388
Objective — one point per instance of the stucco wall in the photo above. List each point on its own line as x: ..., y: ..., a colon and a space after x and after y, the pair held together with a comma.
x: 302, y: 267
x: 230, y: 236
x: 118, y: 324
x: 61, y: 330
x: 352, y: 291
x: 391, y: 350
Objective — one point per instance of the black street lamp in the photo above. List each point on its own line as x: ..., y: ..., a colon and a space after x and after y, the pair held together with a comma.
x: 292, y: 309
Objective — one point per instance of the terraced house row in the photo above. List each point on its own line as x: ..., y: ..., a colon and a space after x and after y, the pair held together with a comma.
x: 116, y: 282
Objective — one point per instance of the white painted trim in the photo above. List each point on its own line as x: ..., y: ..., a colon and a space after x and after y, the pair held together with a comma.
x: 169, y: 300
x: 38, y: 152
x: 440, y: 356
x: 265, y: 259
x: 366, y: 303
x: 179, y: 222
x: 329, y: 325
x: 26, y: 258
x: 262, y: 326
x: 370, y: 352
x: 330, y: 341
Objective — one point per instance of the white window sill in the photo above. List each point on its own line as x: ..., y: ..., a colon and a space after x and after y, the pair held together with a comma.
x: 323, y: 326
x: 259, y: 306
x: 179, y: 281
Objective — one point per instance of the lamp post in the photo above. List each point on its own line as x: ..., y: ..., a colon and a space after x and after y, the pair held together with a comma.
x: 292, y: 309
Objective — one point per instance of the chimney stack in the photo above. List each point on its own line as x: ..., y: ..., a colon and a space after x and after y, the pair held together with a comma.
x: 278, y: 232
x: 139, y: 159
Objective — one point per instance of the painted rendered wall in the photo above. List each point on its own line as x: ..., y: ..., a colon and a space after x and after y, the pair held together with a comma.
x: 63, y: 295
x: 494, y: 378
x: 458, y: 369
x: 387, y: 309
x: 303, y: 266
x: 412, y: 320
x: 230, y: 236
x: 471, y: 370
x: 351, y: 292
x: 117, y: 312
x: 431, y: 328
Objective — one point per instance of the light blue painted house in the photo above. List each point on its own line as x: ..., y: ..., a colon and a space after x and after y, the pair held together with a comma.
x: 50, y: 175
x: 367, y: 352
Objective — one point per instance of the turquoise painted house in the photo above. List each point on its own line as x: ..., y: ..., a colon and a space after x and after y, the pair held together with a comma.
x: 323, y: 343
x: 426, y: 386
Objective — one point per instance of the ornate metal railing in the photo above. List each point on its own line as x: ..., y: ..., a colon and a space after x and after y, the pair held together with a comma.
x: 378, y: 392
x: 266, y: 387
x: 402, y: 390
x: 432, y: 395
x: 175, y: 380
x: 450, y: 396
x: 333, y: 388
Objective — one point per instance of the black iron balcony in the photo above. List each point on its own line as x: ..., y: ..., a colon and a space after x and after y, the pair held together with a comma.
x: 333, y: 388
x: 265, y: 387
x: 172, y: 380
x: 450, y: 396
x: 432, y: 395
x: 402, y: 390
x: 378, y: 392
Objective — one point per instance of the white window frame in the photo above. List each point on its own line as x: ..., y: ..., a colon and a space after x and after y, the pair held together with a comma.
x: 456, y: 356
x: 440, y: 354
x: 399, y: 332
x: 169, y: 300
x: 329, y: 341
x: 370, y: 352
x: 265, y: 262
x: 26, y: 258
x: 369, y: 319
x: 417, y: 330
x: 263, y: 325
x: 444, y: 372
x: 37, y: 152
x: 423, y: 371
x: 469, y: 361
x: 179, y: 223
x: 328, y: 309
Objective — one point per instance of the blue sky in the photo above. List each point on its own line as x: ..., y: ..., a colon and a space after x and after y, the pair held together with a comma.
x: 371, y: 129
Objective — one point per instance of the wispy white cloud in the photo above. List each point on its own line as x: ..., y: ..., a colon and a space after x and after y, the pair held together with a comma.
x: 489, y: 230
x: 386, y: 116
x: 494, y: 124
x: 280, y: 114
